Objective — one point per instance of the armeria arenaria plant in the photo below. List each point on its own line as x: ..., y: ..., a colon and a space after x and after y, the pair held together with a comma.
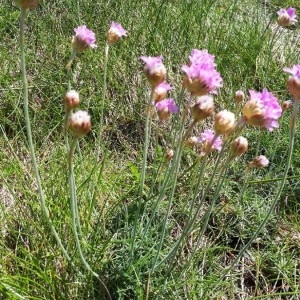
x: 192, y: 125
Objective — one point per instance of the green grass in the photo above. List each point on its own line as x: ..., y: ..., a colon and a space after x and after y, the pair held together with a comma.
x: 32, y: 266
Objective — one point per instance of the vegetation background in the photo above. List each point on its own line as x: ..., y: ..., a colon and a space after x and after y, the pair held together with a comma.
x: 241, y: 36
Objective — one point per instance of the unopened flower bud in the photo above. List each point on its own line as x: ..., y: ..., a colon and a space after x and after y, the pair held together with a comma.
x: 239, y: 96
x: 80, y: 123
x: 203, y: 108
x: 254, y: 112
x: 286, y: 105
x: 27, y: 3
x: 191, y: 141
x: 71, y: 100
x: 224, y: 122
x: 260, y: 162
x: 294, y: 86
x: 239, y: 146
x: 170, y: 154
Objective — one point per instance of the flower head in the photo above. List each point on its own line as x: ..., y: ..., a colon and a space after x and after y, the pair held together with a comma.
x: 83, y: 38
x: 191, y: 141
x: 210, y: 141
x: 154, y: 69
x: 224, y: 122
x: 286, y: 105
x: 287, y: 17
x: 260, y: 162
x: 239, y: 146
x: 160, y: 91
x: 71, y: 100
x: 239, y: 96
x: 203, y: 108
x: 115, y: 32
x: 294, y: 81
x: 169, y: 154
x: 27, y: 3
x: 201, y: 76
x: 80, y: 123
x: 165, y: 108
x: 262, y: 109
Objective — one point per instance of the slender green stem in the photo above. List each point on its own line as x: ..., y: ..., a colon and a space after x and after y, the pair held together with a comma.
x: 66, y: 126
x: 272, y: 42
x: 174, y: 170
x: 29, y: 137
x: 277, y: 197
x: 74, y: 209
x: 144, y: 167
x: 103, y: 98
x: 205, y: 219
x: 68, y: 111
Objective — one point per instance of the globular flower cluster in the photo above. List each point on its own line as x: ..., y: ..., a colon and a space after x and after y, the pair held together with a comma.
x: 287, y: 17
x: 201, y: 74
x: 262, y: 109
x: 209, y: 141
x: 156, y: 74
x: 154, y: 70
x: 160, y: 91
x: 165, y: 108
x: 80, y: 123
x: 83, y: 38
x: 294, y: 81
x: 115, y: 32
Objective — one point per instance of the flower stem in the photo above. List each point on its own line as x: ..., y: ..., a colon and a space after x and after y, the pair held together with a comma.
x: 275, y: 201
x: 29, y: 136
x: 74, y: 209
x: 144, y: 167
x: 103, y: 98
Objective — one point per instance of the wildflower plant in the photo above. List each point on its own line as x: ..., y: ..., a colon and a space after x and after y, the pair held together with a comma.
x: 193, y: 125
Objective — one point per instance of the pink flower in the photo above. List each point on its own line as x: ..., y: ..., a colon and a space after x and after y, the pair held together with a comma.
x: 294, y: 70
x: 294, y: 81
x: 83, y: 38
x: 165, y: 108
x: 160, y: 91
x: 262, y: 109
x: 115, y: 32
x: 287, y: 17
x: 154, y: 69
x: 201, y: 76
x: 206, y: 138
